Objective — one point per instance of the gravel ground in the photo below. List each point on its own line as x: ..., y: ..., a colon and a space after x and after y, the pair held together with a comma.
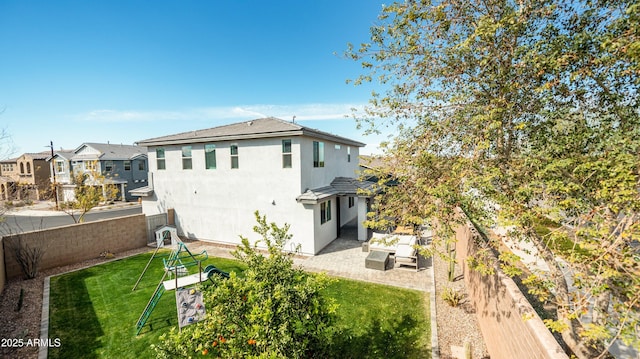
x: 456, y: 325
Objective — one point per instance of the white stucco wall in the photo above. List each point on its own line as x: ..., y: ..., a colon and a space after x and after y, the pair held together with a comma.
x: 336, y: 164
x: 218, y: 204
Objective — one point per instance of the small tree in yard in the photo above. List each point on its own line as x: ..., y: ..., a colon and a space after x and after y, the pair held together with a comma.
x: 90, y: 191
x: 529, y: 107
x: 274, y: 311
x: 27, y: 256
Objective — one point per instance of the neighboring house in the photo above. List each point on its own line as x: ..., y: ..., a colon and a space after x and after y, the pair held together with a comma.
x: 25, y: 177
x: 215, y: 179
x: 124, y: 166
x: 8, y: 179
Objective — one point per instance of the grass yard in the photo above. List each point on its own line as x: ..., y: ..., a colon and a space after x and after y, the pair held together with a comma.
x: 94, y: 312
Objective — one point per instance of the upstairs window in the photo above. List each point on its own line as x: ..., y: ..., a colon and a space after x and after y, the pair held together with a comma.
x: 286, y: 154
x: 186, y: 158
x: 21, y: 168
x: 108, y: 166
x: 348, y: 154
x: 210, y: 157
x: 234, y: 157
x: 160, y: 159
x: 318, y: 154
x: 28, y: 168
x: 325, y: 212
x: 142, y: 166
x: 60, y: 166
x: 90, y: 165
x: 127, y: 165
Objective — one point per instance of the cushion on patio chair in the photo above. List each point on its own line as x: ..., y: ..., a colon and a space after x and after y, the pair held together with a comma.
x: 406, y: 255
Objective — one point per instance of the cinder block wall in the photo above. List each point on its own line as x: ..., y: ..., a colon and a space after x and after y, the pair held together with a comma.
x: 75, y: 243
x: 3, y: 274
x: 510, y: 326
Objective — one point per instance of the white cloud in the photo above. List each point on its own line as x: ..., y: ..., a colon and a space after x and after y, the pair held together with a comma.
x: 302, y: 112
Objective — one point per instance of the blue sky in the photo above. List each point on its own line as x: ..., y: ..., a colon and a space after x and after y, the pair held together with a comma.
x: 123, y: 71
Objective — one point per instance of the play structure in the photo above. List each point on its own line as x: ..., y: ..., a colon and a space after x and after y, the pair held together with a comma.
x: 189, y: 304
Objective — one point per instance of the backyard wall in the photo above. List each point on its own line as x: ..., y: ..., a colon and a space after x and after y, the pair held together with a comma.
x: 75, y: 243
x: 3, y: 274
x: 501, y: 309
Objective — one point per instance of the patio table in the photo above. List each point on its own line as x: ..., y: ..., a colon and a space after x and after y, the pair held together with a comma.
x: 377, y: 260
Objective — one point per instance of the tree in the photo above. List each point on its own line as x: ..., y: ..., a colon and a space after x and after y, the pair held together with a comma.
x: 7, y: 148
x: 530, y: 107
x: 274, y: 311
x: 91, y: 190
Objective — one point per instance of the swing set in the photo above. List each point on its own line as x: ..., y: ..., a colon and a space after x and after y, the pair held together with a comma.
x: 176, y: 263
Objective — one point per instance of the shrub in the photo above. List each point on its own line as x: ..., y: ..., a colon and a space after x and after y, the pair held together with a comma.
x: 275, y: 311
x: 452, y: 296
x: 28, y: 257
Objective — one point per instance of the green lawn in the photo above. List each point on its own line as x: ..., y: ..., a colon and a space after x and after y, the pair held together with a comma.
x: 94, y: 312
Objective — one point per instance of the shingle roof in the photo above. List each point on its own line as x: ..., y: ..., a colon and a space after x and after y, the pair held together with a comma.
x: 340, y: 186
x: 38, y: 156
x: 112, y: 152
x: 259, y: 128
x: 10, y: 160
x: 66, y: 154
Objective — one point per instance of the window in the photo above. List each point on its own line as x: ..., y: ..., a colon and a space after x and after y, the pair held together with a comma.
x: 60, y: 166
x: 186, y: 158
x: 127, y: 165
x: 286, y: 154
x: 28, y: 167
x: 348, y: 154
x: 210, y: 157
x: 234, y: 156
x: 160, y: 158
x: 351, y: 202
x: 90, y: 165
x: 108, y: 166
x: 141, y: 165
x: 337, y: 147
x: 318, y: 154
x: 325, y: 212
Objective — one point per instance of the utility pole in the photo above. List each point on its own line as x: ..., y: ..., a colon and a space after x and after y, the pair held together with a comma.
x: 53, y: 171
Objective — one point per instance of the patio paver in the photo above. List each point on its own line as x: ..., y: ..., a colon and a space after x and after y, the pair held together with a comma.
x: 344, y: 258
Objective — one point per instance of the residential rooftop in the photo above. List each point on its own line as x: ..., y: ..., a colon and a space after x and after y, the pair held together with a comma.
x: 259, y: 128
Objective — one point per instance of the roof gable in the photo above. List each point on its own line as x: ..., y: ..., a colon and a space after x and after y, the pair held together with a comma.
x: 259, y: 128
x: 107, y: 152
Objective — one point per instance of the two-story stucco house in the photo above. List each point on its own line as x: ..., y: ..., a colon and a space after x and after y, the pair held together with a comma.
x: 124, y: 166
x: 215, y: 179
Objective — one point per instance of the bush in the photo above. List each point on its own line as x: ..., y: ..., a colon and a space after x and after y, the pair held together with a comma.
x: 275, y: 311
x: 452, y: 296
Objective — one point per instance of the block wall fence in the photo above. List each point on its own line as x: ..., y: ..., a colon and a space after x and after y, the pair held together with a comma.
x: 502, y: 310
x: 76, y: 243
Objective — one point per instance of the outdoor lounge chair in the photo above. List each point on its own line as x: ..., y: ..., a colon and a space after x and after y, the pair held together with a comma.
x: 406, y: 254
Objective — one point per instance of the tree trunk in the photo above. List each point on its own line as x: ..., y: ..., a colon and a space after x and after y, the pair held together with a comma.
x: 570, y: 335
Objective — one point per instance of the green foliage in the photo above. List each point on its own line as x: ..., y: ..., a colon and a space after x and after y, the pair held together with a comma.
x: 90, y: 191
x: 509, y: 264
x: 452, y: 296
x: 537, y: 287
x: 519, y: 110
x: 275, y: 311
